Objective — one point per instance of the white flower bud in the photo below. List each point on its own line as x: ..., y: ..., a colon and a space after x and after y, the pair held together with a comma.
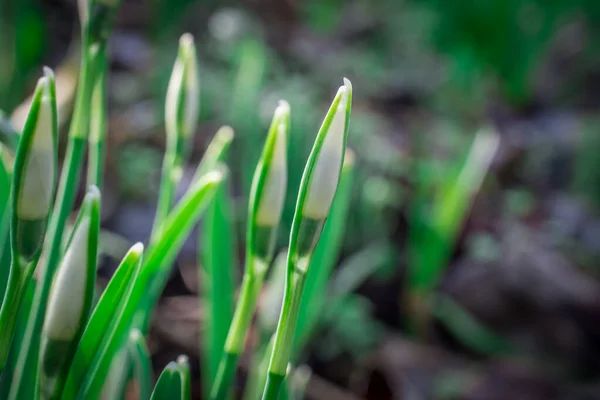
x: 72, y: 290
x: 181, y: 109
x: 326, y: 172
x: 66, y: 302
x: 274, y: 188
x: 39, y: 168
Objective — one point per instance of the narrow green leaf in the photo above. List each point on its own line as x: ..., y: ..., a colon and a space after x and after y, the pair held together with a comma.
x: 142, y: 365
x: 102, y: 317
x: 186, y: 380
x: 115, y: 384
x: 434, y: 236
x: 218, y: 244
x: 169, y: 384
x: 215, y: 152
x: 149, y: 283
x: 5, y: 179
x: 468, y: 330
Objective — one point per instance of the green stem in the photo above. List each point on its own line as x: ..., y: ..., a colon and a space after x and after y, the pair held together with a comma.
x: 242, y: 317
x: 171, y: 175
x: 98, y: 125
x: 272, y: 386
x: 95, y: 164
x: 225, y: 374
x: 286, y: 326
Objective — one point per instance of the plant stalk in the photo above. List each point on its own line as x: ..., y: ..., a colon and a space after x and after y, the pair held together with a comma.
x: 242, y: 317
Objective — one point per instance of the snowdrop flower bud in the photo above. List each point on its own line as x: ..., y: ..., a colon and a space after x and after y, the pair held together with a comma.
x: 35, y: 170
x: 320, y: 179
x: 269, y: 186
x: 327, y: 169
x: 270, y: 203
x: 181, y: 109
x: 70, y: 297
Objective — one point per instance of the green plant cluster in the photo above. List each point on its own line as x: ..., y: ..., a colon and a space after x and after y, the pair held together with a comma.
x: 58, y: 341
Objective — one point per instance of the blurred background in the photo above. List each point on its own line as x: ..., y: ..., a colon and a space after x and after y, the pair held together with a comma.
x: 469, y: 263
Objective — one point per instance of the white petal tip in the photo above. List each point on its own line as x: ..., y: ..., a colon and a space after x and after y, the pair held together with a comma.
x: 218, y: 174
x: 225, y: 133
x: 137, y: 248
x: 283, y: 109
x: 93, y: 191
x: 48, y: 73
x: 347, y: 84
x: 135, y: 335
x: 183, y: 359
x: 187, y: 39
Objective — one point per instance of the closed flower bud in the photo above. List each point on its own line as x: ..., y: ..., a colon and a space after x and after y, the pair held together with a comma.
x: 270, y: 200
x: 269, y: 186
x: 181, y: 108
x: 70, y: 297
x: 35, y: 170
x: 321, y: 177
x: 327, y: 169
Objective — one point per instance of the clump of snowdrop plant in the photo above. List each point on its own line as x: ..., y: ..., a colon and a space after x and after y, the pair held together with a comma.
x: 68, y: 347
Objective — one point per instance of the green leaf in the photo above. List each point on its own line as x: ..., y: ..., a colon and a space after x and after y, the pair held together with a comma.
x: 434, y: 232
x: 149, y: 282
x: 142, y: 365
x: 186, y: 381
x: 101, y: 319
x: 218, y: 244
x: 468, y: 330
x: 4, y: 220
x: 169, y: 384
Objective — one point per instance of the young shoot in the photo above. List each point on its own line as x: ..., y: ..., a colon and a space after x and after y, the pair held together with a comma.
x: 34, y: 181
x: 266, y: 204
x: 181, y: 117
x: 317, y: 190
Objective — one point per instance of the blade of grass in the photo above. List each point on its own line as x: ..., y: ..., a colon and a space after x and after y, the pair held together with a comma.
x: 468, y: 331
x: 434, y: 234
x: 217, y: 257
x: 5, y: 179
x: 169, y: 384
x: 219, y: 263
x: 101, y: 318
x: 142, y: 365
x: 183, y: 363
